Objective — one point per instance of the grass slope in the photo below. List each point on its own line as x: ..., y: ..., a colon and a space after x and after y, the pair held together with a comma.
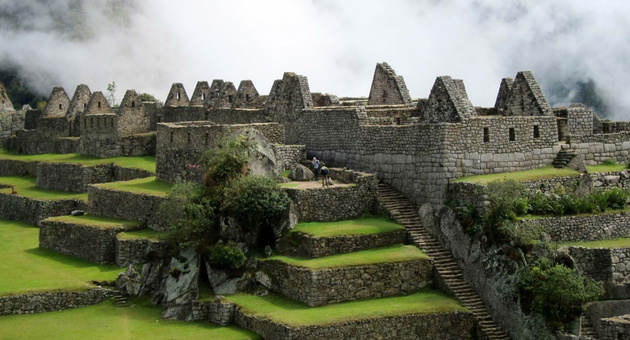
x: 289, y: 312
x: 360, y: 226
x: 106, y: 321
x: 96, y: 221
x: 395, y: 253
x: 623, y: 242
x: 137, y: 162
x: 606, y: 167
x: 25, y: 267
x: 520, y: 176
x: 141, y: 234
x: 149, y: 186
x: 25, y: 186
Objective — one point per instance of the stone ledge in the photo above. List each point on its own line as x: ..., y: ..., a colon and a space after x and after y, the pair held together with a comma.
x: 323, y: 246
x: 136, y: 250
x: 453, y: 325
x: 52, y: 301
x: 138, y: 207
x: 73, y: 177
x: 92, y: 243
x: 317, y: 287
x: 32, y: 211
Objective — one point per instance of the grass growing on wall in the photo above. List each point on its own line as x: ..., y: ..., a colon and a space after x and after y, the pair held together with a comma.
x: 25, y: 186
x: 107, y: 321
x: 148, y: 185
x: 520, y: 176
x: 294, y: 313
x: 25, y: 267
x: 360, y: 226
x: 606, y: 167
x: 148, y: 234
x: 137, y: 162
x: 395, y: 253
x: 97, y: 221
x: 623, y: 242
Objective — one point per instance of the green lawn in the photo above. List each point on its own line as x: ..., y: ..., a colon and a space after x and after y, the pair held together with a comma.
x: 136, y: 162
x: 611, y: 243
x: 25, y: 267
x: 25, y: 186
x: 149, y: 186
x: 106, y: 321
x: 606, y: 168
x: 520, y: 176
x: 96, y: 221
x: 289, y: 185
x: 395, y: 253
x: 360, y: 226
x: 294, y: 313
x: 141, y: 234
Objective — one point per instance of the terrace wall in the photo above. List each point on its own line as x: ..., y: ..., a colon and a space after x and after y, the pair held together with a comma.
x: 317, y: 287
x: 324, y: 246
x: 597, y: 148
x: 451, y: 326
x: 52, y: 301
x: 137, y: 207
x: 583, y: 227
x: 135, y: 250
x: 72, y: 177
x: 31, y: 211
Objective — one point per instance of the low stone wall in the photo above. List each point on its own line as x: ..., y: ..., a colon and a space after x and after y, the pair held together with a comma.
x: 317, y: 287
x: 451, y: 326
x: 31, y: 211
x: 52, y: 301
x: 324, y: 246
x: 135, y: 250
x: 337, y: 203
x: 67, y: 145
x: 92, y: 243
x: 290, y: 155
x: 137, y: 207
x: 582, y: 228
x: 218, y: 311
x: 138, y: 145
x: 596, y: 311
x: 9, y: 167
x: 597, y: 148
x: 72, y: 177
x: 617, y: 328
x: 609, y: 266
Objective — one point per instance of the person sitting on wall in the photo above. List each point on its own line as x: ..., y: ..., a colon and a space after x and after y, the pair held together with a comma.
x: 316, y: 168
x: 324, y: 173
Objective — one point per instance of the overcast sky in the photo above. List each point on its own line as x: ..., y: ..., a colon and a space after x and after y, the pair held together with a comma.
x: 148, y: 45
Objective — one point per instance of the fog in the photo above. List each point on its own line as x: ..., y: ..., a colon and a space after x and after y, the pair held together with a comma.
x: 148, y: 45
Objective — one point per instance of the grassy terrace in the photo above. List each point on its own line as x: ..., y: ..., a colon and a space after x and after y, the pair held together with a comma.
x: 606, y: 167
x: 137, y: 162
x: 25, y: 267
x: 361, y: 226
x: 395, y: 253
x: 106, y: 321
x: 148, y: 186
x: 520, y: 176
x: 96, y: 221
x: 25, y: 186
x: 292, y: 313
x: 611, y: 243
x: 141, y: 234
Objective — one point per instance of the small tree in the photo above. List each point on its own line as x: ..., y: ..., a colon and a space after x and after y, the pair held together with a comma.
x: 111, y: 97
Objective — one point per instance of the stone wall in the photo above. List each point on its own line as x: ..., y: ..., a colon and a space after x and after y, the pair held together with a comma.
x: 183, y: 144
x: 595, y: 263
x: 451, y: 326
x: 138, y: 144
x: 135, y: 250
x: 67, y: 145
x: 72, y: 177
x: 9, y: 167
x: 52, y: 301
x: 99, y: 135
x: 137, y: 207
x: 31, y: 211
x: 337, y: 203
x: 583, y: 227
x: 324, y: 246
x: 616, y: 328
x: 91, y: 243
x: 597, y: 148
x: 10, y: 122
x: 419, y: 159
x: 598, y: 310
x: 290, y: 155
x: 218, y: 311
x: 317, y: 287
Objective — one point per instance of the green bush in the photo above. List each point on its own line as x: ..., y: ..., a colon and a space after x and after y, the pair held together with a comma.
x: 255, y: 202
x: 609, y: 161
x: 226, y: 256
x: 617, y: 198
x: 227, y: 161
x: 557, y: 292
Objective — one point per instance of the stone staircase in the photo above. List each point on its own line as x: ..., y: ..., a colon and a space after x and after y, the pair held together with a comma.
x: 120, y: 300
x: 563, y: 158
x: 404, y: 212
x: 587, y: 331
